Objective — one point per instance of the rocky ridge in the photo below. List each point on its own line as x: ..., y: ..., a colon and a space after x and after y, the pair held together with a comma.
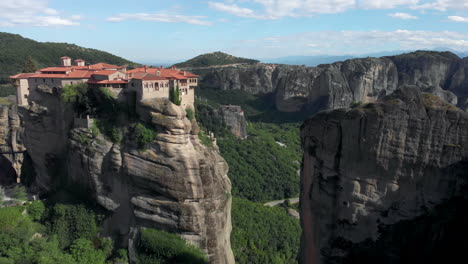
x: 340, y: 84
x: 376, y: 165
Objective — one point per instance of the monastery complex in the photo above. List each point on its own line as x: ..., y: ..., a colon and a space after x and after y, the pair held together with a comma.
x: 145, y: 82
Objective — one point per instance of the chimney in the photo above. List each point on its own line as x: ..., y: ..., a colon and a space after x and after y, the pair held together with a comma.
x: 162, y: 67
x: 80, y: 62
x: 158, y: 73
x: 185, y: 73
x: 146, y: 68
x: 66, y: 61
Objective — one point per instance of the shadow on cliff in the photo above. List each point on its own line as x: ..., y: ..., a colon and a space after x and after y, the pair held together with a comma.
x: 7, y: 172
x: 440, y: 235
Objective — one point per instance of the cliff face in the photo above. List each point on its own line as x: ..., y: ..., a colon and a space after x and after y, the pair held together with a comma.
x: 371, y: 167
x: 11, y: 144
x: 176, y: 184
x: 339, y: 84
x: 234, y: 119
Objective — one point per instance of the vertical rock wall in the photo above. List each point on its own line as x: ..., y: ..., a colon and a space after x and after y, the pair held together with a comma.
x: 375, y: 165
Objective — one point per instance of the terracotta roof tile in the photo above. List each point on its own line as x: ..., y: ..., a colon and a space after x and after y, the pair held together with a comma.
x: 105, y: 72
x: 168, y: 73
x: 146, y: 76
x: 22, y: 75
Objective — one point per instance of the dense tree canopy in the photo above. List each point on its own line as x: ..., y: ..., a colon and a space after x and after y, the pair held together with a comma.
x: 263, y: 235
x: 15, y: 50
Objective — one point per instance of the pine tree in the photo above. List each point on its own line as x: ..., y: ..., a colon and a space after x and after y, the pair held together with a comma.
x: 29, y: 65
x: 175, y: 96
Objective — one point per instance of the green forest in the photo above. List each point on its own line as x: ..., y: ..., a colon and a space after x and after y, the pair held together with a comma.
x: 15, y: 50
x: 263, y: 234
x: 263, y: 167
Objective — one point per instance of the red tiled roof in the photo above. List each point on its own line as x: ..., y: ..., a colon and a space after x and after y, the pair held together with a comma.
x: 77, y: 74
x: 102, y: 66
x: 65, y: 57
x: 22, y: 75
x: 146, y: 76
x: 168, y: 73
x: 55, y: 69
x: 108, y: 81
x: 105, y: 72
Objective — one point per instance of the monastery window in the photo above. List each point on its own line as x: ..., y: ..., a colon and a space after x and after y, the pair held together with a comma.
x: 133, y: 84
x: 151, y: 85
x: 43, y: 80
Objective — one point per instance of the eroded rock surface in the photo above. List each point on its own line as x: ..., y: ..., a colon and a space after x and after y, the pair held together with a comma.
x: 176, y: 184
x: 11, y: 144
x: 340, y: 84
x: 375, y: 165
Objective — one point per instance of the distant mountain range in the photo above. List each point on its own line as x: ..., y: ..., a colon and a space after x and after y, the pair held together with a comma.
x: 15, y: 49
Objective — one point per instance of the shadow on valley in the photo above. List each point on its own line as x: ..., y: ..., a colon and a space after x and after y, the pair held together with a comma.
x: 258, y: 108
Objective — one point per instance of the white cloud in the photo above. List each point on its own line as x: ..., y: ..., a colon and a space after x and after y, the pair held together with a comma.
x: 161, y: 17
x: 352, y: 42
x: 403, y: 16
x: 32, y: 13
x: 385, y: 4
x: 444, y: 5
x: 274, y: 9
x: 458, y: 18
x: 232, y: 9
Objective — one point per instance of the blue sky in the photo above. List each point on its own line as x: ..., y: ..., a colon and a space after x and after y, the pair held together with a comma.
x: 157, y: 31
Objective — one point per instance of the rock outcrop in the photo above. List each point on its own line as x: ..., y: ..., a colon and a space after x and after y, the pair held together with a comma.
x: 340, y: 84
x: 373, y: 166
x: 175, y: 184
x: 11, y: 144
x: 234, y: 119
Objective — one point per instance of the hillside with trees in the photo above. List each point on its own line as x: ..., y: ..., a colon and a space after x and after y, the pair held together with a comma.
x: 262, y: 168
x: 214, y: 59
x: 17, y: 53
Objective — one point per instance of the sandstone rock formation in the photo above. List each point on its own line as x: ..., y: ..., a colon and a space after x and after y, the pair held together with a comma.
x: 234, y: 119
x: 11, y: 144
x: 340, y: 84
x: 176, y: 184
x: 375, y: 165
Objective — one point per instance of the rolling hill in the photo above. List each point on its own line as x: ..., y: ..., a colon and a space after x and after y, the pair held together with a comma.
x: 15, y: 49
x: 214, y: 59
